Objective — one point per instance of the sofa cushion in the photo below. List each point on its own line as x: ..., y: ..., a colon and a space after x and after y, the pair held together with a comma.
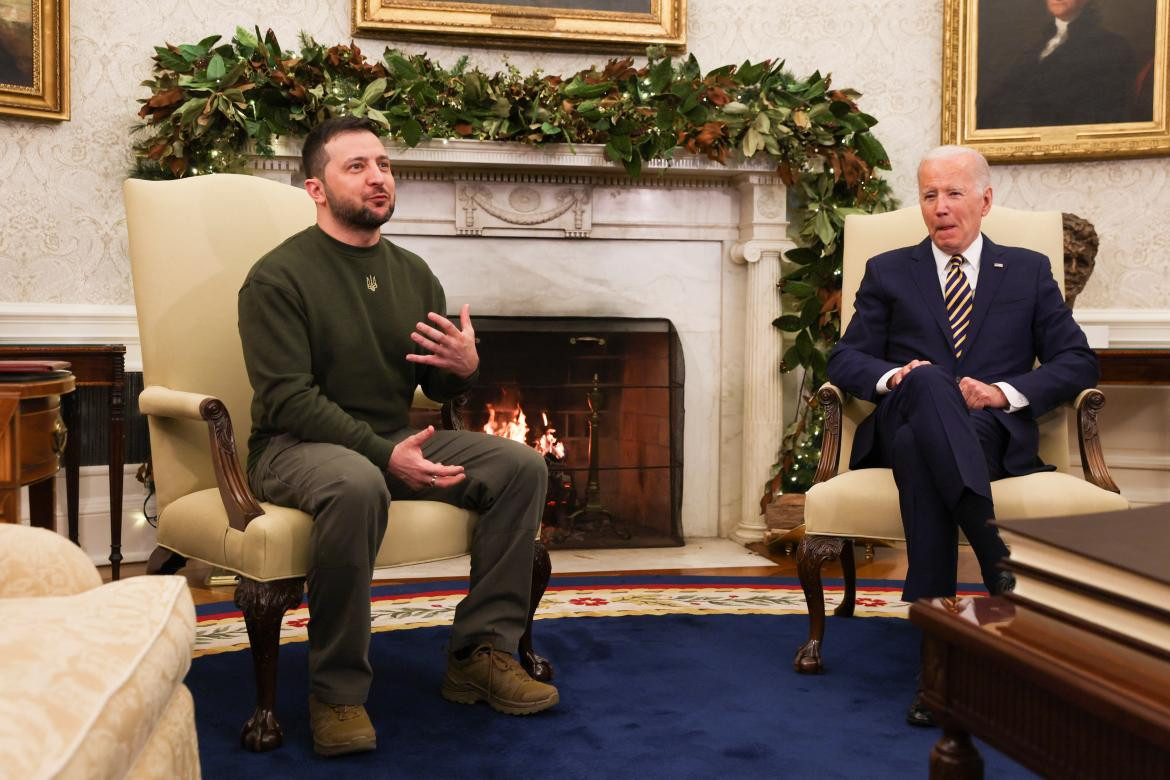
x: 275, y: 545
x: 84, y: 678
x: 38, y: 562
x: 864, y: 503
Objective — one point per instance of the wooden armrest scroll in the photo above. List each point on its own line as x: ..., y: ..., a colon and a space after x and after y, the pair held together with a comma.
x: 238, y: 500
x: 1088, y: 404
x: 832, y: 400
x: 239, y: 503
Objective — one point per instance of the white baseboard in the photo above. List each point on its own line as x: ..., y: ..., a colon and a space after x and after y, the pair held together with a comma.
x: 93, y: 515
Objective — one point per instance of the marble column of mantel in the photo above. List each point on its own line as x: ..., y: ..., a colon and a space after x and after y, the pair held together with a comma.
x: 481, y: 188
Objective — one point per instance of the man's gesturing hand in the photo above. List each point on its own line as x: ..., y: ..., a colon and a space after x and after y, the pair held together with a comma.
x: 408, y: 464
x: 896, y: 379
x: 452, y: 349
x: 981, y: 396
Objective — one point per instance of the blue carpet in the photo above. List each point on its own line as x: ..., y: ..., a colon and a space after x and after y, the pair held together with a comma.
x: 678, y: 696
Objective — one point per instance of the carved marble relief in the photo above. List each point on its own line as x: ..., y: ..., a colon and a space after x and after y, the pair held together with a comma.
x: 533, y: 208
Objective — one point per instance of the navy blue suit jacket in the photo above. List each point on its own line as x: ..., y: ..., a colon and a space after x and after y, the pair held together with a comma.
x: 1019, y: 317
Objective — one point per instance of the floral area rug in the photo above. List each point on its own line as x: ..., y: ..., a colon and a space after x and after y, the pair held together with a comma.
x: 220, y: 627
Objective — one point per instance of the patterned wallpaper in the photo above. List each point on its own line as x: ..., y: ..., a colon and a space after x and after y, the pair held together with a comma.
x: 62, y: 228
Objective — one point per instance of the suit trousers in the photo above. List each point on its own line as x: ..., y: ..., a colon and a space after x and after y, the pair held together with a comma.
x: 349, y: 497
x: 944, y: 457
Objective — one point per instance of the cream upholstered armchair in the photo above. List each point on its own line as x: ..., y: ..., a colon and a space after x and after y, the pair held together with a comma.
x: 844, y: 505
x: 91, y: 675
x: 192, y: 241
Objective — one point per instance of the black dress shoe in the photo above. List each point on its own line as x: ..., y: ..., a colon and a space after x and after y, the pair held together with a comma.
x: 1005, y: 582
x: 919, y: 714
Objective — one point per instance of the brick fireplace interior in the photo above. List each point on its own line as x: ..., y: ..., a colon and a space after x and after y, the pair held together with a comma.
x: 608, y: 391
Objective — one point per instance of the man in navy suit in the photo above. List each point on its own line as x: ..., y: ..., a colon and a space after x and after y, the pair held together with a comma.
x: 957, y: 402
x: 945, y: 339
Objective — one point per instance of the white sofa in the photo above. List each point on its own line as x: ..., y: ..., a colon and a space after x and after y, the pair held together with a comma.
x: 91, y: 675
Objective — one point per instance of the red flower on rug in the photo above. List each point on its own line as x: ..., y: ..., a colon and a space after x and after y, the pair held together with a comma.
x: 297, y: 622
x: 862, y: 601
x: 588, y: 602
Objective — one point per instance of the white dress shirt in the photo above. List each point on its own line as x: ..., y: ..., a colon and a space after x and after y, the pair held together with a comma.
x: 970, y: 267
x: 1060, y: 37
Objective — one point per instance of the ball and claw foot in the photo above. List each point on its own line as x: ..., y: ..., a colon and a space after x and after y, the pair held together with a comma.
x: 808, y: 658
x: 261, y: 733
x: 538, y: 667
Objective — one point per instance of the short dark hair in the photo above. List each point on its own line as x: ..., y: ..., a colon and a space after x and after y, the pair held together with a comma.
x: 313, y: 156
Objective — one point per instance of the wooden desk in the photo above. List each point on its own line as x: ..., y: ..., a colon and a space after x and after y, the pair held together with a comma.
x: 32, y: 438
x: 93, y: 365
x: 1134, y: 366
x: 1064, y: 701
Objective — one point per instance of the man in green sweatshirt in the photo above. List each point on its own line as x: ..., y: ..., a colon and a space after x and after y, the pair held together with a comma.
x: 339, y: 326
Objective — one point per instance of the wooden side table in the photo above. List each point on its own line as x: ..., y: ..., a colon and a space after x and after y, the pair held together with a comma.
x: 32, y: 439
x: 93, y: 365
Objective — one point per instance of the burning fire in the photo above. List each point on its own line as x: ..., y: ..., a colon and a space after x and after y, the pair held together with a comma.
x: 547, y: 444
x: 516, y: 429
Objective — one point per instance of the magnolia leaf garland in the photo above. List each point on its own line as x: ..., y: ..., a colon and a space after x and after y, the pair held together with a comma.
x: 212, y: 103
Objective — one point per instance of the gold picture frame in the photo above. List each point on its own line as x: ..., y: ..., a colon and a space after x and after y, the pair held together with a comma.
x: 34, y: 58
x: 1019, y: 90
x: 569, y: 25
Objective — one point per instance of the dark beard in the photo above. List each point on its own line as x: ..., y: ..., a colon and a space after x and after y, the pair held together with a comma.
x: 359, y: 217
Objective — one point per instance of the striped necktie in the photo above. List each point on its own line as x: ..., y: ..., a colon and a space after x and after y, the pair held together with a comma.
x: 959, y: 299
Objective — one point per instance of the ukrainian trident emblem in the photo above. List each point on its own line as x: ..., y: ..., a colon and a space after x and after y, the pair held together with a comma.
x: 371, y: 283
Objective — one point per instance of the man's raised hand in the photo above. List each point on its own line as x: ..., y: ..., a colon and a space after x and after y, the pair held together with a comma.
x: 451, y: 349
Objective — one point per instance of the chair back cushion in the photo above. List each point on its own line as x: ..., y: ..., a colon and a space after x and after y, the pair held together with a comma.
x: 192, y: 241
x: 871, y: 234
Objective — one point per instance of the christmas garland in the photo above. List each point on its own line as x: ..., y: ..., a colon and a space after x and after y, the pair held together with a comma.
x: 211, y: 104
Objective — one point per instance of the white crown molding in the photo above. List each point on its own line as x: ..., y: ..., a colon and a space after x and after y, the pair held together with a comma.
x: 72, y: 323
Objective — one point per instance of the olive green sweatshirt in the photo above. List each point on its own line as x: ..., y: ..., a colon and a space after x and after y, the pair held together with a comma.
x: 325, y: 328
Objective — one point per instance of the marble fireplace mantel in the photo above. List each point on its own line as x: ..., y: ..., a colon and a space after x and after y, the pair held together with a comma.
x: 559, y: 230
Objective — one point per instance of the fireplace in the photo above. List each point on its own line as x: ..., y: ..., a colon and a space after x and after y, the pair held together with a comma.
x: 691, y: 243
x: 602, y: 399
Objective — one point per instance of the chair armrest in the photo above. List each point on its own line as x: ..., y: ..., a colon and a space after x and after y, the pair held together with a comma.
x: 238, y: 501
x: 832, y: 401
x: 1088, y: 404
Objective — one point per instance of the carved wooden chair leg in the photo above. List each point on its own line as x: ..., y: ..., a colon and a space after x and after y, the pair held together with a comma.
x: 537, y: 667
x: 849, y: 574
x: 811, y: 555
x: 164, y: 561
x: 263, y: 605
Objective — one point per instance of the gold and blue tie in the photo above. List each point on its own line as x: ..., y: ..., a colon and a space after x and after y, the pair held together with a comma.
x: 960, y: 300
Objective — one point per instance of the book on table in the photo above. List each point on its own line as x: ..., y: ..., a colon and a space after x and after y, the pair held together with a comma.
x: 32, y: 370
x: 1109, y: 569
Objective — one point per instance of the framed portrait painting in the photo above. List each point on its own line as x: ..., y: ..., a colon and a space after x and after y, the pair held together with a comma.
x: 34, y: 58
x: 1035, y: 80
x: 571, y: 25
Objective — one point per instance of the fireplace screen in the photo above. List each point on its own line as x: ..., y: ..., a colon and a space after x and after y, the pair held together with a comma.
x: 601, y: 399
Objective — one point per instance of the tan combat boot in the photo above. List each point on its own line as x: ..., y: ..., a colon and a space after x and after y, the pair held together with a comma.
x: 340, y: 728
x: 497, y: 678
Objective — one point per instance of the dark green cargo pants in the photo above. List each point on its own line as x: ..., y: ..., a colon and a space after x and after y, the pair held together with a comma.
x: 348, y: 498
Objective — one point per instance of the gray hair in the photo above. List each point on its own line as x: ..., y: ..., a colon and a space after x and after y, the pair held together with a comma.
x: 981, y: 170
